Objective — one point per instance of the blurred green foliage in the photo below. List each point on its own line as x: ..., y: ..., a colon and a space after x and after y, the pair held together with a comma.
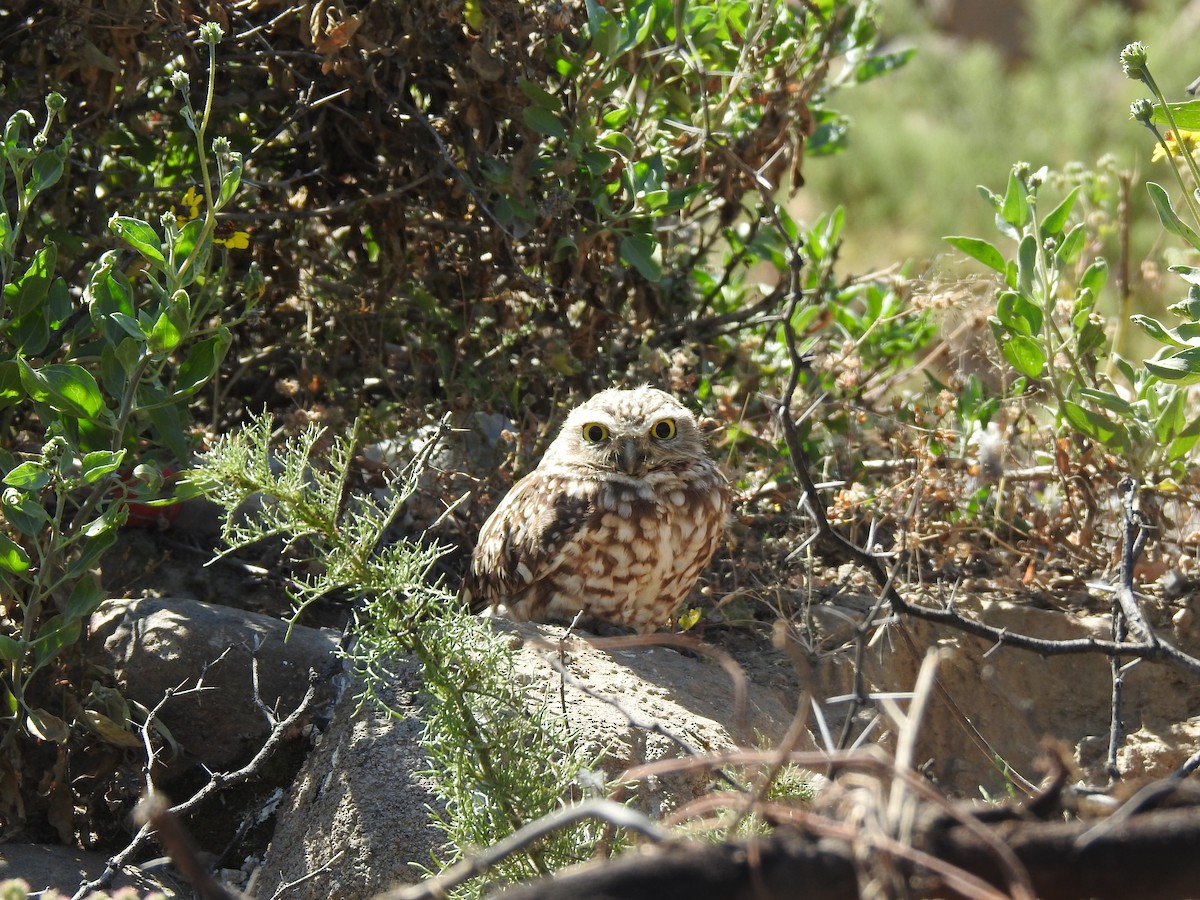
x: 962, y: 110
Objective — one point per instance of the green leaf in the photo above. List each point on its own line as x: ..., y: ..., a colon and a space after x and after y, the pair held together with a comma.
x: 202, y: 362
x: 99, y: 463
x: 47, y: 169
x: 25, y: 513
x: 131, y: 326
x: 1110, y: 401
x: 190, y: 235
x: 1171, y: 419
x: 93, y: 548
x: 638, y: 22
x: 1186, y: 115
x: 994, y: 200
x: 1170, y: 221
x: 1015, y: 209
x: 104, y: 526
x: 603, y: 29
x: 1157, y: 330
x: 30, y: 334
x: 65, y: 387
x: 1184, y: 441
x: 1056, y: 219
x: 1024, y: 354
x: 644, y: 253
x: 619, y: 142
x: 566, y: 64
x: 473, y: 15
x: 140, y: 236
x: 875, y: 66
x: 618, y: 116
x: 28, y: 477
x: 168, y: 420
x: 109, y: 293
x: 230, y: 181
x: 657, y: 201
x: 11, y: 389
x: 1190, y: 274
x: 1072, y: 245
x: 1095, y: 277
x: 28, y: 291
x: 544, y: 122
x: 1019, y: 314
x: 19, y: 120
x: 1179, y: 368
x: 1081, y: 309
x: 1189, y: 307
x: 54, y: 634
x: 829, y: 136
x: 1027, y: 264
x: 84, y: 599
x: 165, y: 336
x: 1096, y: 426
x: 539, y: 96
x: 565, y: 248
x: 978, y: 249
x: 59, y: 305
x: 10, y: 650
x: 13, y: 557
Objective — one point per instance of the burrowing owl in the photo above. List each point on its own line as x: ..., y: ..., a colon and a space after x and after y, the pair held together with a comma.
x: 617, y: 521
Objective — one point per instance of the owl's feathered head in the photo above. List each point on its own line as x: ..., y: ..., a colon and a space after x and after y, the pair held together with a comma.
x: 631, y: 432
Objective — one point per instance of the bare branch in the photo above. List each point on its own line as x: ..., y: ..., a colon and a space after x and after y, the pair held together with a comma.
x: 605, y: 810
x: 1153, y: 854
x: 153, y: 812
x: 217, y: 781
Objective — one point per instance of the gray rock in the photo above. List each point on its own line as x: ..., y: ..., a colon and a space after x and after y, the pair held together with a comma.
x: 647, y: 703
x: 156, y: 645
x: 52, y: 867
x: 357, y: 816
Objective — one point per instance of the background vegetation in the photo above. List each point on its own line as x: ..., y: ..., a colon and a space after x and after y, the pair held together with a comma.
x: 970, y: 104
x: 477, y: 213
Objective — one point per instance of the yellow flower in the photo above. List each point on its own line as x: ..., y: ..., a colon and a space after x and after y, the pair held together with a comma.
x: 238, y: 240
x: 1191, y: 143
x: 193, y: 200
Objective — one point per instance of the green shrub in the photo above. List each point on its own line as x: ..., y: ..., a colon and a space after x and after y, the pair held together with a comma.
x: 495, y: 763
x: 95, y: 391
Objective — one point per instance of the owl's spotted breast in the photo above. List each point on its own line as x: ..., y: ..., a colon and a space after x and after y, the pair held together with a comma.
x: 617, y: 522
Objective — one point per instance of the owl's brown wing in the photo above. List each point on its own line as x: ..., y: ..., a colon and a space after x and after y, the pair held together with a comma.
x: 523, y: 536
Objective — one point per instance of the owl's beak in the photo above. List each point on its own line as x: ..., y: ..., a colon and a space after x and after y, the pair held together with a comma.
x: 629, y: 458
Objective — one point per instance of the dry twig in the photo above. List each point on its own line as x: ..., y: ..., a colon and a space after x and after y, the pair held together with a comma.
x: 217, y: 781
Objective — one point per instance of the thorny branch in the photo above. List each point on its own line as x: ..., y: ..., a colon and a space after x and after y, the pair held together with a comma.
x: 217, y: 781
x: 837, y: 549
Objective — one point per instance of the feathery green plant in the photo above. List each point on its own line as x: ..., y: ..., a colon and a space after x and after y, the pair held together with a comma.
x: 497, y: 759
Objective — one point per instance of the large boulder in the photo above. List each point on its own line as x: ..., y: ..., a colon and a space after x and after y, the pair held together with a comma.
x: 156, y: 646
x: 356, y: 821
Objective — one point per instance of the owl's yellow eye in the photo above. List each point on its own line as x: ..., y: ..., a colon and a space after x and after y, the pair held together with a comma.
x: 595, y: 433
x: 663, y: 430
